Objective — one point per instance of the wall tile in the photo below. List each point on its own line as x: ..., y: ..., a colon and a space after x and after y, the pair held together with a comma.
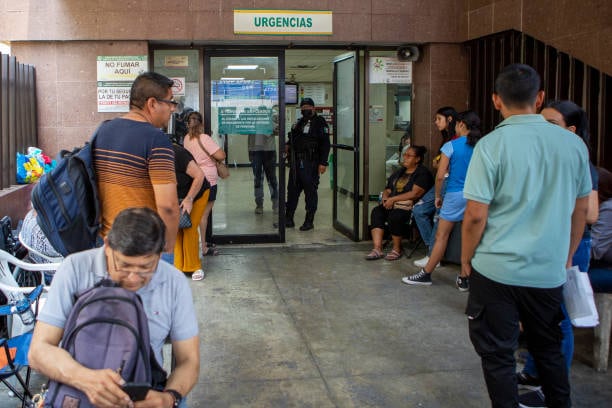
x: 125, y: 25
x: 47, y: 96
x: 481, y: 22
x: 507, y: 15
x: 393, y: 27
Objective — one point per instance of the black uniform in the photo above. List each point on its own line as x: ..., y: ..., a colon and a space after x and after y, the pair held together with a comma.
x: 308, y: 148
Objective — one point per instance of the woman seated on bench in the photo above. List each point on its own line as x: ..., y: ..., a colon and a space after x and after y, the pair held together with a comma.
x: 404, y: 187
x: 601, y: 232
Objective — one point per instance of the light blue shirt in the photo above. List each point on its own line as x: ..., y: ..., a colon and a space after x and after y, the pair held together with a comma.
x: 459, y: 154
x: 530, y: 173
x: 166, y: 298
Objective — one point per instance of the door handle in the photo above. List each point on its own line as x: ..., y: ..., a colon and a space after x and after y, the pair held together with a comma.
x: 345, y: 147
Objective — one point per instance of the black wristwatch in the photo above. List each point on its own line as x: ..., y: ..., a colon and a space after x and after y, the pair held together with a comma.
x: 176, y: 395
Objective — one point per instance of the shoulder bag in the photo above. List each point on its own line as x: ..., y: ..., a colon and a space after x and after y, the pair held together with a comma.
x: 222, y: 169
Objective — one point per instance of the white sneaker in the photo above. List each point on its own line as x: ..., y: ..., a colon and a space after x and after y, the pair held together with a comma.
x: 422, y: 262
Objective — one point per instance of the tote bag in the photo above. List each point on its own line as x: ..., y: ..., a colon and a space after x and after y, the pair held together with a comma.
x: 579, y: 299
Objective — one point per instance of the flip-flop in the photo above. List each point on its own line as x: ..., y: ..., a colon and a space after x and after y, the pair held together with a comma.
x: 210, y: 252
x: 374, y: 255
x: 393, y: 255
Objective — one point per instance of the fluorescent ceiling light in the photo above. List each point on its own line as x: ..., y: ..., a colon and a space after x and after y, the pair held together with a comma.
x: 231, y: 79
x: 242, y: 67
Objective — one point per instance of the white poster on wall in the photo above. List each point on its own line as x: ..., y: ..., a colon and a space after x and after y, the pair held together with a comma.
x: 313, y: 90
x: 115, y: 75
x: 388, y: 70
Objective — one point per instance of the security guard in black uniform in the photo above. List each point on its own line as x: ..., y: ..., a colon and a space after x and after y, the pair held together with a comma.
x: 308, y: 149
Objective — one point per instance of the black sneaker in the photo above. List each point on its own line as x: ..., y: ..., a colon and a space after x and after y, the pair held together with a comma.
x: 420, y: 278
x: 533, y: 399
x: 527, y: 382
x: 463, y: 284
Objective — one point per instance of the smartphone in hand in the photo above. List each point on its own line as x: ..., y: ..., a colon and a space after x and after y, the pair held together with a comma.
x: 136, y: 391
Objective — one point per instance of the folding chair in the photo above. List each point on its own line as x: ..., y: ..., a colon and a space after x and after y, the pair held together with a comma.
x: 17, y: 334
x: 14, y: 349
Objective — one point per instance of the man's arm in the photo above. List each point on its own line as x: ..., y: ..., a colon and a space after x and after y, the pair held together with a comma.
x: 578, y: 222
x: 474, y: 222
x: 166, y: 200
x: 102, y: 387
x: 182, y: 378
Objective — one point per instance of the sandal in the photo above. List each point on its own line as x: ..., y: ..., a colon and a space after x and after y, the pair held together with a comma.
x: 374, y: 255
x: 197, y: 275
x: 393, y: 255
x: 210, y: 252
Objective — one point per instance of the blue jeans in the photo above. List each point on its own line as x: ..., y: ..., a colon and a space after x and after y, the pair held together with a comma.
x: 581, y: 258
x: 423, y: 212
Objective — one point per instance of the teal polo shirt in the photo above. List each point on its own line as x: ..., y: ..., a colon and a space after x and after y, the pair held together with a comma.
x: 530, y: 173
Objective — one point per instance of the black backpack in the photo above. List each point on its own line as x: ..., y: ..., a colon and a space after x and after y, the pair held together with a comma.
x: 107, y: 328
x: 66, y: 201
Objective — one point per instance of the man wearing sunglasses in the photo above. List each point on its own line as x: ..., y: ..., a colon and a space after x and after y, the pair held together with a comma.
x: 130, y: 257
x: 133, y: 157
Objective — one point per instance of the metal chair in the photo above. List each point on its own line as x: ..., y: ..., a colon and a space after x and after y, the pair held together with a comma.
x: 35, y: 255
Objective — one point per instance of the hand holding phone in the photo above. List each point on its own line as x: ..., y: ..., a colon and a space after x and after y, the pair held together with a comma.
x: 136, y: 391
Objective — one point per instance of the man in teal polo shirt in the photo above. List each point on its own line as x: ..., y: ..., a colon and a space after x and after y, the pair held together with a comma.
x: 527, y: 188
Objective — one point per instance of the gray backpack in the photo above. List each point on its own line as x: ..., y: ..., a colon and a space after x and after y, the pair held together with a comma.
x: 107, y: 328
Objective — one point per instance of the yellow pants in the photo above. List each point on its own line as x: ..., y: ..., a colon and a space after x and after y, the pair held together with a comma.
x: 186, y: 249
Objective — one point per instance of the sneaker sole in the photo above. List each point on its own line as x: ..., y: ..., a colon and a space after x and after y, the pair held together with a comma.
x: 463, y: 289
x: 409, y: 282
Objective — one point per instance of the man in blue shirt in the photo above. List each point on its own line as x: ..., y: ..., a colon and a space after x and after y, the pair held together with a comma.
x: 527, y: 188
x: 130, y: 257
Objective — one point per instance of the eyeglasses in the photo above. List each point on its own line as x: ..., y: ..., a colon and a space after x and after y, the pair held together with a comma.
x: 141, y: 274
x: 168, y: 101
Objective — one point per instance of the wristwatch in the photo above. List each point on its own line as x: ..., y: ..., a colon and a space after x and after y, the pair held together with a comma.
x: 176, y: 395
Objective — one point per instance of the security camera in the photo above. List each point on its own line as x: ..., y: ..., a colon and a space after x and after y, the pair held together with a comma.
x: 408, y: 53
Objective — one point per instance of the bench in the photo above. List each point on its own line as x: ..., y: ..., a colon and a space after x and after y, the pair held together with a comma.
x: 601, y: 342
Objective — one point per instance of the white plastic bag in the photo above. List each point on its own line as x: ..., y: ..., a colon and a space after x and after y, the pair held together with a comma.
x: 579, y: 299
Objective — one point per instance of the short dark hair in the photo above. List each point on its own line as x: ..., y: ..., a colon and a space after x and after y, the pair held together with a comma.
x: 518, y: 85
x: 573, y: 115
x: 149, y: 85
x: 419, y: 151
x: 137, y: 232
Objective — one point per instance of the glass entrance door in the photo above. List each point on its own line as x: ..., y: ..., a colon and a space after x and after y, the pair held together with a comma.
x: 245, y: 116
x: 346, y: 147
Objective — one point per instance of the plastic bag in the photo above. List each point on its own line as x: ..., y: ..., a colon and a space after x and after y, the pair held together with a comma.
x: 31, y: 166
x: 579, y: 299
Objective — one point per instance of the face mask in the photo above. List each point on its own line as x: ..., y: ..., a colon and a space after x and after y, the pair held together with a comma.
x: 307, y: 113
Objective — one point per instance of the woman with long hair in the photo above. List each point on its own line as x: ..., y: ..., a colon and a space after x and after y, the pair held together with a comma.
x: 573, y: 118
x: 404, y: 187
x: 455, y: 158
x: 423, y: 211
x: 205, y: 151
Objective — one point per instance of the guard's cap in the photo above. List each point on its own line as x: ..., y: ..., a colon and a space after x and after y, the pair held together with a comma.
x: 307, y: 101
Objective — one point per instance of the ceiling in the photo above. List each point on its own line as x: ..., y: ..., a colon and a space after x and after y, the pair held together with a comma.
x: 300, y: 66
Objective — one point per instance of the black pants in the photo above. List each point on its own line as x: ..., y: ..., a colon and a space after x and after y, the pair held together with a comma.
x: 395, y: 220
x: 303, y: 176
x: 494, y: 311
